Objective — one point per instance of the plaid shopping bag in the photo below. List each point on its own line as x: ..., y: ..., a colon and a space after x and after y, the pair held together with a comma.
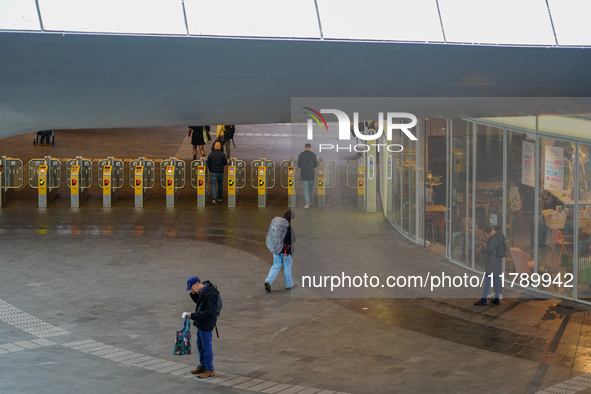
x: 182, y: 343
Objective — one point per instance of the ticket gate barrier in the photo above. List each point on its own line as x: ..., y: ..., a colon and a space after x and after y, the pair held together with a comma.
x: 389, y: 169
x: 356, y: 178
x: 142, y: 178
x: 289, y: 178
x: 199, y: 179
x: 236, y: 179
x: 325, y: 179
x: 111, y: 178
x: 172, y: 178
x: 262, y: 178
x: 78, y: 179
x: 11, y: 176
x: 45, y: 175
x: 371, y: 179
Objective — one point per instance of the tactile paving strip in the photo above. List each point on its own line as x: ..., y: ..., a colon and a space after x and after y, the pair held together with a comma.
x: 24, y: 345
x: 22, y: 320
x: 570, y: 386
x: 184, y: 371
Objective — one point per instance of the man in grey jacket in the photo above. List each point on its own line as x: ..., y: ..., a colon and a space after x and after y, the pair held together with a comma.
x: 494, y: 264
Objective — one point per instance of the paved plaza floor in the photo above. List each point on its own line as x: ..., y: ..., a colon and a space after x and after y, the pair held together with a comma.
x: 91, y: 298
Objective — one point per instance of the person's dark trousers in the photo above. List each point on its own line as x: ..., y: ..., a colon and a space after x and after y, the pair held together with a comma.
x: 205, y: 349
x: 219, y: 179
x: 45, y: 134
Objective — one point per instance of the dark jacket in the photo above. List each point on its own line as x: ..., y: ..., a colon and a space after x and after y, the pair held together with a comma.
x: 206, y: 308
x: 216, y: 161
x: 288, y: 241
x: 494, y: 264
x: 307, y: 163
x: 197, y: 135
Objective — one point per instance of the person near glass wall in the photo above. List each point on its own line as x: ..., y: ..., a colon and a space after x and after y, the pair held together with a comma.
x: 494, y: 263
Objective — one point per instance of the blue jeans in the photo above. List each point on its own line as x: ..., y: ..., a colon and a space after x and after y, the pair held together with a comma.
x: 496, y: 284
x: 205, y: 349
x: 219, y: 179
x: 308, y: 187
x: 278, y: 261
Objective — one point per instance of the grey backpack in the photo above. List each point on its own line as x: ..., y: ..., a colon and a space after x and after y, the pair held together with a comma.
x: 276, y: 234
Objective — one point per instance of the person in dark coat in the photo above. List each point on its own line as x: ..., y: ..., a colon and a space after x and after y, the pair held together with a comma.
x: 198, y: 139
x: 494, y: 264
x: 205, y: 295
x: 307, y: 163
x: 216, y: 161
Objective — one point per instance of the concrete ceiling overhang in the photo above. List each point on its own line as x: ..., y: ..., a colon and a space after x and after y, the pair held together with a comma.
x: 62, y: 81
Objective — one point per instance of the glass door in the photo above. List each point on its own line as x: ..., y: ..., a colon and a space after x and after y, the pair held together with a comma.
x: 460, y: 197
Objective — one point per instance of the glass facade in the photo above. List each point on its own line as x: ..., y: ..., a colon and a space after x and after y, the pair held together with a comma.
x: 464, y: 175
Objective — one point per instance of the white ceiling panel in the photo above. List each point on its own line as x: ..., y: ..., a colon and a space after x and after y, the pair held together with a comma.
x: 114, y: 16
x: 253, y: 18
x: 395, y: 20
x: 506, y: 22
x: 19, y: 15
x: 571, y: 21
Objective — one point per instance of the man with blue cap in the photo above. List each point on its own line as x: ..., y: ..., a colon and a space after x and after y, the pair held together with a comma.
x: 205, y: 295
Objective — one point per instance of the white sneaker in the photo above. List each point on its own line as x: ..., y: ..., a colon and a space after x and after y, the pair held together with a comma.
x: 306, y: 206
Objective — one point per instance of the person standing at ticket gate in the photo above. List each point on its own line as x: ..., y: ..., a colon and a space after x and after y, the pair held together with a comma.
x: 216, y: 162
x: 199, y: 138
x: 307, y: 163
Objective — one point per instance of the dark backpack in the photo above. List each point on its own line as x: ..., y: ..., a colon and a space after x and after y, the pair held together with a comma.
x: 219, y: 305
x: 501, y: 249
x: 219, y: 298
x: 229, y: 131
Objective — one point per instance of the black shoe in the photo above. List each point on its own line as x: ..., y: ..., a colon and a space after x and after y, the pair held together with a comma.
x: 482, y: 302
x: 268, y: 286
x: 292, y: 287
x: 496, y: 301
x: 194, y: 157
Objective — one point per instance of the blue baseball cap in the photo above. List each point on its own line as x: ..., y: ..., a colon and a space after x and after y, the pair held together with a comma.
x: 191, y: 281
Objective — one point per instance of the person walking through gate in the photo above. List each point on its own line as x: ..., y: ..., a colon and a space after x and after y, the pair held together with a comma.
x: 494, y: 263
x: 206, y: 296
x: 199, y: 138
x: 307, y: 162
x: 221, y: 136
x: 283, y: 257
x: 216, y: 162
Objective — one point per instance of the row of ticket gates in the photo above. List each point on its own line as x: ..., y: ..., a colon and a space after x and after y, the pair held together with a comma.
x: 45, y: 175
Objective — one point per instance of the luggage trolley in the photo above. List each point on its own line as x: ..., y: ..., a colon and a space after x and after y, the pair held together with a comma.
x: 172, y: 178
x: 262, y: 178
x: 46, y: 176
x: 236, y: 179
x: 199, y: 178
x: 111, y: 178
x: 142, y: 178
x: 11, y: 176
x: 78, y: 179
